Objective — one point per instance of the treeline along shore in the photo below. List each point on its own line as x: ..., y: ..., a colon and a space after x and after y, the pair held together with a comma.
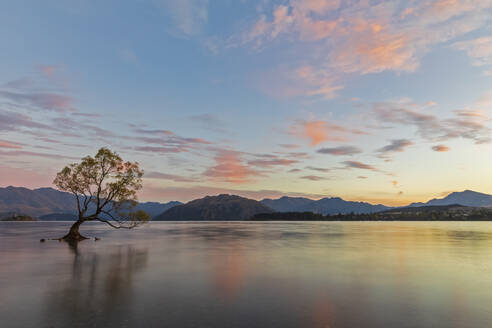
x: 425, y: 213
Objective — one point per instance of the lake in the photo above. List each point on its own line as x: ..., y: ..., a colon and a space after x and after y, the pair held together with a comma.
x: 240, y: 274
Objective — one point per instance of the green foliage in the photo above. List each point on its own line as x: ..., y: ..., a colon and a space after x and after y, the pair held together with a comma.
x: 105, y: 188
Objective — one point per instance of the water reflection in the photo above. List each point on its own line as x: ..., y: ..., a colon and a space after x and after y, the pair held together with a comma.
x: 370, y: 274
x: 98, y: 290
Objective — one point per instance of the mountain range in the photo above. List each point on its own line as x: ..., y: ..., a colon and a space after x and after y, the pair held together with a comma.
x: 51, y: 204
x: 323, y: 206
x: 465, y: 198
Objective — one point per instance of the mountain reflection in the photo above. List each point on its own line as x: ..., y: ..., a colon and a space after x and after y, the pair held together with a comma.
x: 98, y: 290
x: 289, y: 275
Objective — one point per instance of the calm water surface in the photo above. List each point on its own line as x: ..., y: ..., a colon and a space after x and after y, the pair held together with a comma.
x: 216, y: 274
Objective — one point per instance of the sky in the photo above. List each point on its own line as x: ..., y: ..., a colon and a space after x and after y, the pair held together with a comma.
x: 380, y: 101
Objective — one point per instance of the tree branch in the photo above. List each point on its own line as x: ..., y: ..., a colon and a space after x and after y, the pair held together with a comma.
x: 114, y: 226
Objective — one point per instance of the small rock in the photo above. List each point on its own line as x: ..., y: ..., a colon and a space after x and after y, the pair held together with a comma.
x: 42, y: 240
x: 96, y: 239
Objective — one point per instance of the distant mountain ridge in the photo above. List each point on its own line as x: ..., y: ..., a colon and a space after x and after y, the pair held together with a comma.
x: 35, y: 202
x: 221, y: 207
x: 334, y: 205
x: 51, y: 204
x: 465, y: 198
x: 55, y: 204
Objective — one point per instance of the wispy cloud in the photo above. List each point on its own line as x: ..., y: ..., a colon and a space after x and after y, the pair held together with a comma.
x: 465, y: 124
x: 314, y: 178
x: 480, y: 50
x: 339, y: 40
x: 159, y: 150
x: 45, y: 101
x: 188, y: 17
x: 165, y: 141
x: 10, y: 121
x: 395, y: 146
x: 23, y: 153
x: 209, y: 122
x: 289, y: 146
x: 171, y: 177
x: 10, y: 144
x: 267, y: 163
x: 359, y: 165
x: 319, y: 169
x: 340, y: 151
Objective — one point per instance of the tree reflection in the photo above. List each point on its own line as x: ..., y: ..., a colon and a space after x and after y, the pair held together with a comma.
x: 99, y: 289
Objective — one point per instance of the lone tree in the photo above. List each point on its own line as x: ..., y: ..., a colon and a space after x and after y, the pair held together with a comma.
x: 105, y: 189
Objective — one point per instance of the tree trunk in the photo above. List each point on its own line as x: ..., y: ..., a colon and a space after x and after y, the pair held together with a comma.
x: 74, y: 234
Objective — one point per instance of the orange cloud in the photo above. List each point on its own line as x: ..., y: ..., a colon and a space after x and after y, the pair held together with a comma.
x: 320, y: 131
x: 440, y: 148
x: 319, y: 6
x: 365, y: 37
x: 317, y: 132
x: 229, y: 167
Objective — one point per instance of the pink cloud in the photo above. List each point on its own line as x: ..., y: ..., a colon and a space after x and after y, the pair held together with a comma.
x: 361, y: 37
x: 46, y: 101
x: 10, y: 144
x: 230, y: 167
x: 321, y: 131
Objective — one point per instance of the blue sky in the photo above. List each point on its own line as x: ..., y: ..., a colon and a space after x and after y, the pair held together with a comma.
x: 384, y: 101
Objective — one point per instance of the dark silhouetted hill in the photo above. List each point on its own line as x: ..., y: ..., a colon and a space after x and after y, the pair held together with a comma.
x: 288, y: 204
x: 35, y: 202
x: 222, y: 207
